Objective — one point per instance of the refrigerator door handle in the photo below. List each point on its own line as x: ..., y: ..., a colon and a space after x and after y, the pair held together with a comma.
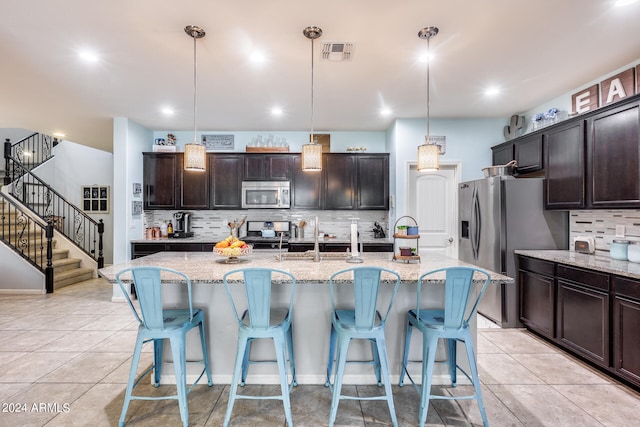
x: 477, y: 225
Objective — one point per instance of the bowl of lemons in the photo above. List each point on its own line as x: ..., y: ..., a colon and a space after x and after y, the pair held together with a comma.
x: 231, y: 249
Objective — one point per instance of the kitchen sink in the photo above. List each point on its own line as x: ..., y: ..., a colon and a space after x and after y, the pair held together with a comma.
x: 309, y: 255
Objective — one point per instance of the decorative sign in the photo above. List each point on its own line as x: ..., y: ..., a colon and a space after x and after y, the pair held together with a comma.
x: 95, y: 198
x: 440, y: 141
x: 618, y: 87
x: 218, y: 142
x: 586, y: 100
x: 323, y: 139
x: 136, y: 207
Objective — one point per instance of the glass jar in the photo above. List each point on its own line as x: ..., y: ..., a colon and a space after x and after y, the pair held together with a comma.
x: 633, y: 251
x: 618, y: 249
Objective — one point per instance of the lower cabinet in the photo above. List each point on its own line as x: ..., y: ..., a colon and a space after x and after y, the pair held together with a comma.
x: 537, y: 295
x: 625, y: 327
x: 340, y: 247
x: 583, y: 312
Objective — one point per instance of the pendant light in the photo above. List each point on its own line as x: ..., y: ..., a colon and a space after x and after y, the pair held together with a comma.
x: 429, y: 152
x: 312, y: 152
x: 195, y: 154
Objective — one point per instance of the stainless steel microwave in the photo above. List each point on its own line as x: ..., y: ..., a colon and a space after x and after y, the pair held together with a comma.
x: 266, y: 194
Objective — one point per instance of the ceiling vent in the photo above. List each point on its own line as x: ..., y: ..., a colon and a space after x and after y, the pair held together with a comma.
x: 337, y: 51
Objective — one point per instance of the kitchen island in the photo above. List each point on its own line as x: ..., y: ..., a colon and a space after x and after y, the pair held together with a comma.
x: 311, y: 313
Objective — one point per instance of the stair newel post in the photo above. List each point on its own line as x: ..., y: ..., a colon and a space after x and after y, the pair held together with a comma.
x: 100, y: 233
x: 48, y: 272
x: 7, y: 156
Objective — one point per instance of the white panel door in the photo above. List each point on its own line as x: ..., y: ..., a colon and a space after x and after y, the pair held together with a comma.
x: 432, y: 202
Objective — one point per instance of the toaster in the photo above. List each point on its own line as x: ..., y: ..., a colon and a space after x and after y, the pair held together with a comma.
x: 584, y: 244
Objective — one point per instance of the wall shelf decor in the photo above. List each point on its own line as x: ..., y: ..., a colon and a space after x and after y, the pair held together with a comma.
x: 95, y: 198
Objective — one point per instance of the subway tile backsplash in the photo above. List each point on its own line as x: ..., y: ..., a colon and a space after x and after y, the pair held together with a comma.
x: 213, y: 223
x: 601, y: 224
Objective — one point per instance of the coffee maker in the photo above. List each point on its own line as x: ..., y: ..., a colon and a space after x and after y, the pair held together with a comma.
x: 183, y: 225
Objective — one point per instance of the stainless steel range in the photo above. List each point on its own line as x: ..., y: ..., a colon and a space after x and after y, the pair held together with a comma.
x: 267, y: 234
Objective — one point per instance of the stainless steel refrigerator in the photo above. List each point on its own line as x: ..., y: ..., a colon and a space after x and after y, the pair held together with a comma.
x: 497, y: 216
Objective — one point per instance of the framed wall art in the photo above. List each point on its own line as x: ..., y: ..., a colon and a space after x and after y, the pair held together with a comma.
x: 95, y: 198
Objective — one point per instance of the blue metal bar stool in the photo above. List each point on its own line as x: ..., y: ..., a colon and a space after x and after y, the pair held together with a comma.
x: 450, y: 323
x: 260, y: 320
x: 158, y: 324
x: 364, y: 321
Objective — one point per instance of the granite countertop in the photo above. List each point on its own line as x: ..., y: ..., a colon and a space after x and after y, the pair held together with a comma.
x: 194, y: 239
x: 592, y: 262
x: 338, y: 240
x: 202, y: 266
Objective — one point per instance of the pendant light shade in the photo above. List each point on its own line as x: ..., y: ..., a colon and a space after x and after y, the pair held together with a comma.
x: 312, y: 152
x: 195, y: 154
x: 429, y: 152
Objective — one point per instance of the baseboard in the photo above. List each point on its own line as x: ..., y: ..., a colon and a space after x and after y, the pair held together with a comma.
x: 23, y: 291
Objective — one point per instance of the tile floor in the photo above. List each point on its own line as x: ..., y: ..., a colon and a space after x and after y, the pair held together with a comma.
x: 64, y: 361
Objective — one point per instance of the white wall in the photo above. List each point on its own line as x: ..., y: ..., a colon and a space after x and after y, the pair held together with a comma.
x: 17, y: 274
x: 130, y: 140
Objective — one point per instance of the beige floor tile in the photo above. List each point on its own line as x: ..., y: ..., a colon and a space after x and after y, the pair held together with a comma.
x: 498, y: 414
x: 120, y: 342
x: 70, y: 322
x: 504, y: 369
x: 7, y: 337
x: 86, y: 368
x: 406, y: 400
x: 10, y: 389
x: 250, y: 412
x: 542, y: 405
x: 33, y: 340
x: 484, y: 345
x: 517, y: 341
x: 120, y: 375
x: 109, y: 322
x: 32, y: 366
x: 559, y: 369
x: 612, y: 405
x: 79, y: 341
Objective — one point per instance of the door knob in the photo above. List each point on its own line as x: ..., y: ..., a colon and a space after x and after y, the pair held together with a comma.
x: 450, y: 239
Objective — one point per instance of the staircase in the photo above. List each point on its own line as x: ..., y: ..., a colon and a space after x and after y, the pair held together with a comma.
x: 67, y: 271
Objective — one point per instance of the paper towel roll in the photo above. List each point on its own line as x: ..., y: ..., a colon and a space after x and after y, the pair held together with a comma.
x: 354, y: 240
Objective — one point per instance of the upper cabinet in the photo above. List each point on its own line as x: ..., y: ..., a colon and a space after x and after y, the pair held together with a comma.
x: 564, y: 149
x: 528, y: 153
x: 502, y: 154
x: 225, y: 180
x: 160, y: 180
x: 267, y: 167
x: 306, y: 187
x: 194, y: 188
x: 372, y: 181
x: 613, y: 141
x: 339, y: 172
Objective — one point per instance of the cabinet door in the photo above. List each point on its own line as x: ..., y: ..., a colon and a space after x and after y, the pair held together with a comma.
x: 253, y: 167
x: 277, y: 167
x: 614, y: 153
x: 225, y: 174
x: 305, y: 186
x: 536, y: 302
x: 339, y: 181
x: 194, y: 188
x: 372, y: 181
x: 528, y: 153
x: 160, y: 180
x: 625, y: 327
x: 564, y: 149
x: 502, y: 154
x: 583, y: 313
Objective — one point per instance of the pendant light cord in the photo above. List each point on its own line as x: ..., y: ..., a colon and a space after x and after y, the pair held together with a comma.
x: 428, y: 84
x: 312, y: 138
x: 195, y: 91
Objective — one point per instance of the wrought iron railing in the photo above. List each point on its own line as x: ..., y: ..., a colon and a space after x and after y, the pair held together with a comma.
x: 28, y: 238
x: 31, y: 151
x: 48, y: 204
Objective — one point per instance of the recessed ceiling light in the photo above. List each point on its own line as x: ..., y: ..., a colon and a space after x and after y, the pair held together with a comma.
x: 167, y: 111
x: 257, y: 57
x: 385, y: 112
x: 89, y: 56
x: 276, y: 111
x: 58, y: 135
x: 492, y: 91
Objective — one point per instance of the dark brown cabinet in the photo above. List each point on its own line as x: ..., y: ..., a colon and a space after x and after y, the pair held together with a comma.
x: 267, y: 167
x: 625, y: 327
x: 161, y: 180
x: 528, y: 153
x: 502, y: 154
x: 536, y: 284
x: 225, y: 181
x: 583, y: 312
x: 564, y: 148
x: 613, y: 141
x: 194, y: 188
x: 306, y: 187
x: 372, y: 182
x: 339, y: 173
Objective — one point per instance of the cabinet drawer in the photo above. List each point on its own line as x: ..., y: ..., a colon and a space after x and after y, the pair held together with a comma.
x: 184, y: 247
x: 584, y: 277
x: 536, y: 265
x: 626, y: 287
x: 148, y: 248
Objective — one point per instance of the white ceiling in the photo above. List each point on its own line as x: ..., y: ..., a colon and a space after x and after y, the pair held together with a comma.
x: 534, y: 50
